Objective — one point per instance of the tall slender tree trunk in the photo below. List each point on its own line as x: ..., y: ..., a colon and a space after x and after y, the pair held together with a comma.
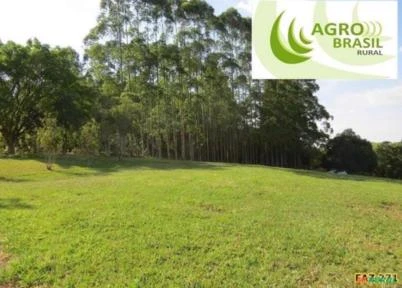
x: 168, y: 146
x: 191, y: 143
x: 148, y: 151
x: 199, y: 149
x: 183, y: 141
x: 159, y: 143
x: 208, y: 155
x: 142, y: 141
x: 176, y: 152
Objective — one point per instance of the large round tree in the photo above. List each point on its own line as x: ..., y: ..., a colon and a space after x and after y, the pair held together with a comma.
x: 36, y: 80
x: 351, y: 153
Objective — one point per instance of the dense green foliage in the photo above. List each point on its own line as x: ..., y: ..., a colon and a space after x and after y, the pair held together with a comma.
x: 349, y: 152
x: 175, y: 82
x: 389, y: 160
x: 104, y: 223
x: 36, y: 81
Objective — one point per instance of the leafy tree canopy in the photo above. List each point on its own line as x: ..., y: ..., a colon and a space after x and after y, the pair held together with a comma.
x: 348, y: 151
x: 36, y: 80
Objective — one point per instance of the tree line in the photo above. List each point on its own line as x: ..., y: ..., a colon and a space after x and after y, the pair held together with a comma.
x: 349, y: 152
x: 160, y: 78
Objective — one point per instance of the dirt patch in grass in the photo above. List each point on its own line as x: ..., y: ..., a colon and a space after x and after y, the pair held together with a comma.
x: 7, y: 286
x: 311, y: 278
x: 211, y: 208
x: 392, y: 210
x: 389, y: 209
x: 396, y: 214
x: 387, y: 205
x: 4, y: 258
x: 10, y: 285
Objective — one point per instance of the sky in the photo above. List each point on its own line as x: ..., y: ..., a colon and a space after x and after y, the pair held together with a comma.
x: 373, y: 109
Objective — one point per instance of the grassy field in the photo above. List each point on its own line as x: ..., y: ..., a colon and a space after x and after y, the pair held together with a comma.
x: 143, y: 223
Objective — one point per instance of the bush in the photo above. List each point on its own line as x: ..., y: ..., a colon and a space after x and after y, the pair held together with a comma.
x: 351, y: 153
x: 90, y: 138
x: 389, y: 160
x: 50, y: 138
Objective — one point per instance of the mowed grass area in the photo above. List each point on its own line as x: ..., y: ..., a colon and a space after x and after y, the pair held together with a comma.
x: 149, y: 223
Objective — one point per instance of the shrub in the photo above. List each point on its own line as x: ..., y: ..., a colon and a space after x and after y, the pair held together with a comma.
x: 351, y: 153
x: 389, y: 160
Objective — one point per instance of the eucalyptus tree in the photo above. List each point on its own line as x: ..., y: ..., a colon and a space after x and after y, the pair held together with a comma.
x: 175, y: 82
x: 290, y: 115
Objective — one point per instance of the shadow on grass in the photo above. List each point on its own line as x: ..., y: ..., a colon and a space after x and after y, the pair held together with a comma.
x: 331, y: 176
x: 103, y: 166
x: 11, y: 180
x: 13, y: 204
x: 100, y: 166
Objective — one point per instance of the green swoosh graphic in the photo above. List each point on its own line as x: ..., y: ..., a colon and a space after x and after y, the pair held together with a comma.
x: 296, y: 46
x: 374, y: 29
x: 366, y: 31
x: 303, y: 38
x: 380, y: 31
x: 278, y: 46
x: 367, y: 28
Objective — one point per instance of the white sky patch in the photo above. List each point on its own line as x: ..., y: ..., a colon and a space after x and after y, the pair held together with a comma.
x: 373, y: 114
x: 329, y: 86
x: 385, y: 97
x: 55, y: 22
x: 374, y: 98
x: 247, y: 6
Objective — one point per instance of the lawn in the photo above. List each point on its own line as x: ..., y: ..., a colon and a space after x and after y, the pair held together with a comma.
x: 149, y: 223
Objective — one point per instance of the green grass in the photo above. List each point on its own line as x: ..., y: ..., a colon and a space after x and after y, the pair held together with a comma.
x: 143, y: 223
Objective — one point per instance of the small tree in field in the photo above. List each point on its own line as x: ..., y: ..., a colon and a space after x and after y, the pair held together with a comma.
x: 50, y: 140
x: 90, y: 138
